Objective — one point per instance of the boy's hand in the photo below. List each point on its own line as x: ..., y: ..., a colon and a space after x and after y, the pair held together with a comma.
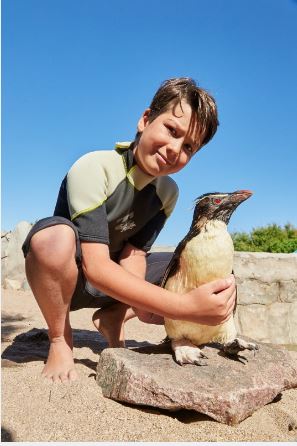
x: 212, y: 303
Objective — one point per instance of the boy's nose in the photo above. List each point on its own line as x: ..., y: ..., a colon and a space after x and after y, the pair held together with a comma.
x: 173, y: 150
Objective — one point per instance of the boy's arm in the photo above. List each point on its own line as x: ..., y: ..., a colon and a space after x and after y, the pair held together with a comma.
x: 133, y: 259
x: 210, y: 304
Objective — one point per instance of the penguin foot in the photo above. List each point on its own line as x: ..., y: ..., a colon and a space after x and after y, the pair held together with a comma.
x: 237, y: 345
x: 187, y: 353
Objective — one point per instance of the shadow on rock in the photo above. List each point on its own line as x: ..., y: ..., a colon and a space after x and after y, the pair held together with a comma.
x: 190, y: 416
x: 8, y: 330
x: 276, y: 399
x: 8, y: 317
x: 10, y: 324
x: 34, y: 345
x: 87, y: 363
x: 185, y: 416
x: 6, y: 435
x: 26, y: 347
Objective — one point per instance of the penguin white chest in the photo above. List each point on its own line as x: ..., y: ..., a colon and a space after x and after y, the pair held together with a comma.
x: 206, y: 257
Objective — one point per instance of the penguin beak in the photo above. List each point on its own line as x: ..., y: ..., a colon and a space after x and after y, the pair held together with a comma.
x: 233, y: 201
x: 241, y: 195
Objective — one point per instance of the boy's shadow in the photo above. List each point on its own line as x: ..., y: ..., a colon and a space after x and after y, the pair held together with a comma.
x: 33, y: 345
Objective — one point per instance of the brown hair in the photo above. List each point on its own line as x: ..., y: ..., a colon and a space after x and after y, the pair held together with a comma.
x: 173, y: 91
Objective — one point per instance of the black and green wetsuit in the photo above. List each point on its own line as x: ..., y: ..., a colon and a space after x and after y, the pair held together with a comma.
x: 106, y: 198
x: 110, y: 200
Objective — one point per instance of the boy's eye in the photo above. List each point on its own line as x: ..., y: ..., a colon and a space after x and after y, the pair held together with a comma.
x: 189, y: 148
x: 171, y: 130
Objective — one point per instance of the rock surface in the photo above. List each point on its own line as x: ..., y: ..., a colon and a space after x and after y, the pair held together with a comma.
x: 227, y: 390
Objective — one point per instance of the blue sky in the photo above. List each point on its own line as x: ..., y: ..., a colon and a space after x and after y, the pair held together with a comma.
x: 77, y: 74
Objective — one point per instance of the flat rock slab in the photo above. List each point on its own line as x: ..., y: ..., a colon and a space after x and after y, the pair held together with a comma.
x: 227, y: 390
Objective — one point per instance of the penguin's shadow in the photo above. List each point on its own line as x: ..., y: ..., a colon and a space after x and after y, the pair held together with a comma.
x: 33, y: 345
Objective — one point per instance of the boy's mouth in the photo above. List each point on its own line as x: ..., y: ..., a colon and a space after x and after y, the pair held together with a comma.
x: 164, y: 160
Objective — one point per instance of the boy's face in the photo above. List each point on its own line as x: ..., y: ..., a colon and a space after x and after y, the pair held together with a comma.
x: 167, y: 143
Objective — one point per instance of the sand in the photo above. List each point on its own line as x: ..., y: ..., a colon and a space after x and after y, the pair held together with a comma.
x: 34, y: 409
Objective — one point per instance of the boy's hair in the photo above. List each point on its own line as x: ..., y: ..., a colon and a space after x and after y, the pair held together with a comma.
x: 173, y: 91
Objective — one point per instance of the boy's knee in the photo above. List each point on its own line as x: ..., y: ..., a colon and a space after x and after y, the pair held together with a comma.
x: 142, y: 315
x: 53, y: 246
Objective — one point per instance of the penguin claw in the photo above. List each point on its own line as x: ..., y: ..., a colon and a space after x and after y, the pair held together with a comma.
x: 179, y: 362
x: 186, y: 352
x: 237, y: 345
x: 189, y: 355
x: 200, y: 362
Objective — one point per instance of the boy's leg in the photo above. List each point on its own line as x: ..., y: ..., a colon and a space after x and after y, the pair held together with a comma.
x: 110, y: 320
x: 52, y: 274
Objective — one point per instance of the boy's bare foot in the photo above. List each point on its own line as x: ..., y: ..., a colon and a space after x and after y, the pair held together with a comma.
x: 60, y: 365
x: 110, y: 323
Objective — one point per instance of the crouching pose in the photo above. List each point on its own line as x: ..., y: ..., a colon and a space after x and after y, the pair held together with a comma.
x: 110, y: 208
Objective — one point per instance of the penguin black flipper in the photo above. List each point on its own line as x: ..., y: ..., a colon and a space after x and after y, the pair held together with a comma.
x: 170, y: 270
x: 173, y: 265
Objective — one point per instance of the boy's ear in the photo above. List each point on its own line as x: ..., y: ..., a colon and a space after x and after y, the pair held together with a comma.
x: 144, y: 120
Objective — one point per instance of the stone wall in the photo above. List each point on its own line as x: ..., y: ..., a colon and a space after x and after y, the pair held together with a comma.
x: 266, y: 287
x: 267, y: 296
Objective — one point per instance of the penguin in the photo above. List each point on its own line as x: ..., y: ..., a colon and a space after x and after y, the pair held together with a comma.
x: 205, y: 254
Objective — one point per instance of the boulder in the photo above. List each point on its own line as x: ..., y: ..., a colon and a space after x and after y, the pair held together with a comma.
x: 13, y: 262
x: 226, y: 390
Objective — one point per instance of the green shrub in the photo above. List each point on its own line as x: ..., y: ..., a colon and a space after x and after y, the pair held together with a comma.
x: 270, y: 238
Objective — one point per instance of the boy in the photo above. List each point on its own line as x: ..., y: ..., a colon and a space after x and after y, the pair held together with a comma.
x: 110, y: 209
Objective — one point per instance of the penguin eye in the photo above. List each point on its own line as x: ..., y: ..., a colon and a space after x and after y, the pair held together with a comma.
x: 217, y: 200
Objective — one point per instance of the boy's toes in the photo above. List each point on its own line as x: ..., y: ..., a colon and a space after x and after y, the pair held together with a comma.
x: 56, y: 378
x: 72, y: 375
x: 45, y: 374
x: 63, y: 377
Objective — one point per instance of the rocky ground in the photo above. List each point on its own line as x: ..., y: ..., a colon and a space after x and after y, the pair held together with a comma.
x: 35, y: 410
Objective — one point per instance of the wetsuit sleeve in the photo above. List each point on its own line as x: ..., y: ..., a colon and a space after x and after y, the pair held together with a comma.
x: 93, y: 226
x: 86, y: 196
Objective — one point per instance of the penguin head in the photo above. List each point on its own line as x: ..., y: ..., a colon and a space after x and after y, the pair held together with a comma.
x: 218, y: 206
